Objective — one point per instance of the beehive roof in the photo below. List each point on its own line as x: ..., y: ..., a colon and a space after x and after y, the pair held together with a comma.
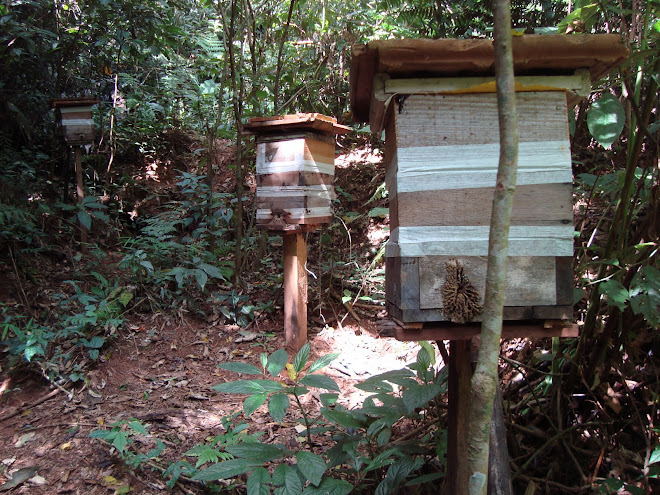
x: 296, y: 122
x: 533, y: 55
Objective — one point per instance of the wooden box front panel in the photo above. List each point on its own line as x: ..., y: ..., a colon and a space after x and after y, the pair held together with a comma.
x: 295, y: 176
x: 77, y: 125
x: 441, y: 170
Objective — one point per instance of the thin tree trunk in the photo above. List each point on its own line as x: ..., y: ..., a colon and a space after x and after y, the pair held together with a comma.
x: 278, y: 71
x: 484, y: 380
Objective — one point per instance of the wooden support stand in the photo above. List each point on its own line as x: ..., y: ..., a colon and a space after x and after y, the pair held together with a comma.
x: 295, y: 290
x: 80, y: 195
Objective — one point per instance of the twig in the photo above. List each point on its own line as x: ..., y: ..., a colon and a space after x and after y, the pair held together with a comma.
x: 19, y: 410
x: 554, y: 484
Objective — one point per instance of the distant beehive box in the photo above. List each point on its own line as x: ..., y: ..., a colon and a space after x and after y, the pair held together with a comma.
x: 295, y: 170
x: 74, y: 119
x: 435, y: 100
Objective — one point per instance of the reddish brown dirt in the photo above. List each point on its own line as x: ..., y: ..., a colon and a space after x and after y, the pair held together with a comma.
x: 161, y: 372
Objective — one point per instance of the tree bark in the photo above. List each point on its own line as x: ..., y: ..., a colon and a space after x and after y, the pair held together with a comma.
x: 484, y: 380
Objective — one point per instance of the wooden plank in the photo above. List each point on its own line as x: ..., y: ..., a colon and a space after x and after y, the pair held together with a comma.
x: 430, y: 120
x: 294, y: 179
x: 458, y: 416
x: 429, y: 168
x: 80, y: 195
x: 511, y: 313
x: 402, y: 282
x: 288, y: 155
x: 565, y: 280
x: 530, y: 280
x: 578, y: 83
x: 470, y: 240
x: 321, y: 151
x: 294, y: 203
x: 509, y: 331
x: 539, y: 204
x: 295, y: 290
x: 295, y: 215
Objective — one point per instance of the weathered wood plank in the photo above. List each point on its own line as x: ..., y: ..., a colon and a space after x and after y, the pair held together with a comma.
x: 565, y: 280
x: 511, y: 313
x: 293, y: 203
x: 524, y: 240
x: 530, y: 281
x: 509, y: 330
x: 578, y: 83
x: 539, y: 204
x: 295, y: 290
x: 402, y: 282
x: 320, y: 151
x: 294, y: 179
x: 290, y: 155
x: 430, y: 120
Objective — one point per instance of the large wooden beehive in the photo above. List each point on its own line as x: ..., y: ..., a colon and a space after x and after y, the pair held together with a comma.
x: 74, y: 119
x: 295, y: 170
x: 436, y: 102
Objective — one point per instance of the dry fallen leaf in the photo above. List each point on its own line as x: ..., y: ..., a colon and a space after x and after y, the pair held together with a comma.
x: 24, y: 439
x: 66, y: 446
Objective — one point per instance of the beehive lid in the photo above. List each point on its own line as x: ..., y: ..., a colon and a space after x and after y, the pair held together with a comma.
x: 279, y: 124
x: 73, y: 102
x: 532, y: 54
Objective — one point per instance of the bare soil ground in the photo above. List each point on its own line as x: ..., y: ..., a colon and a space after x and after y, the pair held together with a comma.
x: 161, y: 372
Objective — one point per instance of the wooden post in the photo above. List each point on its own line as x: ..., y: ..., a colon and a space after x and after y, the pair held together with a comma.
x: 295, y: 290
x: 80, y: 195
x: 460, y: 375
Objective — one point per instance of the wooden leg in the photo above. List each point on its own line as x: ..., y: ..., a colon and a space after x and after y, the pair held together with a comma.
x: 80, y: 195
x: 460, y: 375
x: 295, y: 290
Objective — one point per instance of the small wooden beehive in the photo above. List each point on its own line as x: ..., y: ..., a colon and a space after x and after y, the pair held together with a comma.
x: 74, y: 119
x: 436, y: 101
x: 295, y: 170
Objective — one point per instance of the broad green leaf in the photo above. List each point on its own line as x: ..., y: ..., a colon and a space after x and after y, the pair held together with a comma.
x: 606, y: 119
x: 328, y: 399
x: 419, y: 395
x: 383, y: 459
x: 645, y: 294
x: 226, y: 469
x: 429, y: 349
x: 311, y: 465
x: 253, y: 402
x: 256, y: 386
x: 617, y: 294
x: 329, y: 486
x: 201, y: 277
x: 138, y: 427
x: 84, y: 219
x: 655, y: 456
x: 277, y: 406
x: 288, y: 477
x: 257, y: 482
x: 379, y: 212
x: 258, y: 452
x: 425, y: 479
x: 276, y: 362
x: 211, y: 271
x: 322, y: 362
x: 301, y: 358
x: 236, y: 367
x: 120, y: 441
x: 95, y: 342
x: 320, y: 381
x: 342, y: 418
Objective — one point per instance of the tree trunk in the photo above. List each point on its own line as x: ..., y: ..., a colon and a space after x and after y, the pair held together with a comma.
x: 484, y: 380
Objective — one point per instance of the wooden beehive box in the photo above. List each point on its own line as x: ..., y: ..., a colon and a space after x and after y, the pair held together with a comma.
x: 295, y: 170
x: 74, y: 119
x: 436, y: 102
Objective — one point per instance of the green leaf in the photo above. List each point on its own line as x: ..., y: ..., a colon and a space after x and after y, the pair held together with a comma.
x: 138, y: 427
x: 276, y: 362
x: 237, y: 367
x: 617, y: 294
x: 328, y: 399
x: 329, y: 486
x: 257, y: 482
x: 258, y: 452
x: 277, y: 406
x: 226, y: 469
x: 606, y: 119
x: 84, y: 219
x: 320, y: 381
x: 429, y: 349
x: 379, y: 212
x: 287, y: 477
x: 210, y: 270
x: 645, y: 294
x: 120, y: 441
x: 201, y: 277
x: 419, y: 395
x: 322, y: 362
x: 311, y: 465
x: 342, y: 418
x: 427, y: 478
x: 95, y: 342
x: 301, y: 358
x: 256, y: 386
x: 655, y: 456
x: 383, y: 459
x: 253, y: 402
